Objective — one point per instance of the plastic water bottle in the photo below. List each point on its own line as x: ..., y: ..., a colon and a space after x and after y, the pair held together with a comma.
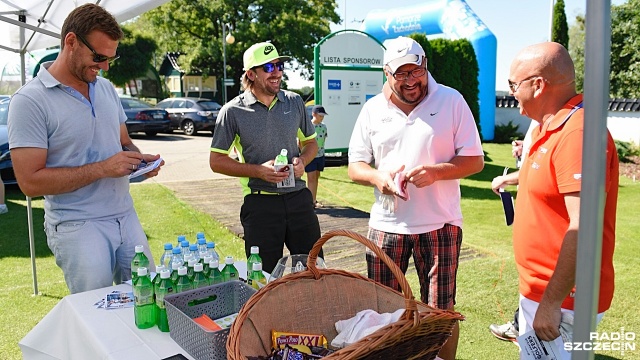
x: 215, y: 276
x: 183, y: 283
x: 281, y: 159
x: 176, y: 258
x: 174, y: 271
x: 229, y: 271
x: 200, y: 235
x: 162, y: 288
x: 165, y: 259
x: 211, y: 249
x: 156, y: 279
x: 144, y: 308
x: 190, y: 264
x: 193, y: 250
x: 139, y: 260
x: 202, y: 249
x: 257, y: 279
x: 253, y: 259
x: 199, y: 280
x: 185, y: 251
x: 181, y: 238
x: 205, y: 265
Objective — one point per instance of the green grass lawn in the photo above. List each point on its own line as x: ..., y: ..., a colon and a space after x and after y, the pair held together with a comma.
x: 487, y: 284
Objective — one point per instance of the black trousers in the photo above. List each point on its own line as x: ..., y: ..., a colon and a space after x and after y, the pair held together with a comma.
x: 272, y: 221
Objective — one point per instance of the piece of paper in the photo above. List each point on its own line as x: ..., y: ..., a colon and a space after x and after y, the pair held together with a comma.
x: 288, y: 182
x: 145, y: 168
x: 119, y: 300
x: 400, y: 181
x: 532, y: 348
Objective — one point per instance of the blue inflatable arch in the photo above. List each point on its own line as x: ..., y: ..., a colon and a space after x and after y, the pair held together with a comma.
x: 455, y: 20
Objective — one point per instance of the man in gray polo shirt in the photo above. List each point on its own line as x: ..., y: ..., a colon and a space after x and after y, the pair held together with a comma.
x: 67, y: 133
x: 259, y: 123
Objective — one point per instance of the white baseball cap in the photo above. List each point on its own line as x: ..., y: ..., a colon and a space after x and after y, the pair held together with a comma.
x: 401, y: 51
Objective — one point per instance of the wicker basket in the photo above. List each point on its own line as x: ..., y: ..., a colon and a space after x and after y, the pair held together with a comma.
x: 312, y: 301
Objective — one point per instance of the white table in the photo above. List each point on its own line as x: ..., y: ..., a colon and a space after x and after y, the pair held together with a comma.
x: 75, y: 329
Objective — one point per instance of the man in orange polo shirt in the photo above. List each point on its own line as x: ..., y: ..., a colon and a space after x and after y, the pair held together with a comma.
x: 545, y: 231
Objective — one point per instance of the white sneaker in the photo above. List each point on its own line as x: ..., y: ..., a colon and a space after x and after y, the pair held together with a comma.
x: 3, y: 209
x: 505, y: 332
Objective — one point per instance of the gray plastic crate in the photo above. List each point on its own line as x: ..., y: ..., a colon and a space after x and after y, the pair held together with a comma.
x: 216, y: 301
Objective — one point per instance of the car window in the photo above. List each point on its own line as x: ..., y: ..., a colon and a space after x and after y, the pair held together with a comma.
x: 164, y: 104
x: 179, y: 104
x: 136, y: 104
x: 188, y: 104
x: 210, y: 105
x: 4, y: 107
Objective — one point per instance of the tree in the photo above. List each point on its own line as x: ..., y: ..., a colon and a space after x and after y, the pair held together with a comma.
x: 194, y: 28
x: 136, y: 52
x: 624, y: 75
x: 559, y: 29
x: 625, y: 58
x: 576, y: 50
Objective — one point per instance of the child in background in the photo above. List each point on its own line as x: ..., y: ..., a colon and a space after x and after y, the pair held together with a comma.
x: 317, y: 165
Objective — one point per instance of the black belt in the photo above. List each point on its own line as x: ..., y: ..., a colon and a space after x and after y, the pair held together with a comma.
x: 262, y: 192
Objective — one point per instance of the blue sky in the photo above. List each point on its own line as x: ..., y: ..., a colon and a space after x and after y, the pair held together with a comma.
x: 516, y: 24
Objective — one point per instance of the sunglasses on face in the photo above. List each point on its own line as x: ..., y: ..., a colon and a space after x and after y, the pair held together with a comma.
x: 271, y: 67
x: 98, y: 58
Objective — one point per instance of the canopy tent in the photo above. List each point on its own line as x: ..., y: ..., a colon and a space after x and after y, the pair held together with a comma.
x: 36, y: 24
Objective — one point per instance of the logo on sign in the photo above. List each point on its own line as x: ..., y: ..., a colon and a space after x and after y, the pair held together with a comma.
x: 334, y: 84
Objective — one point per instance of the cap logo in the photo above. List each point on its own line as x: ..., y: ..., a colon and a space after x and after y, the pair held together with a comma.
x: 401, y: 50
x: 268, y: 49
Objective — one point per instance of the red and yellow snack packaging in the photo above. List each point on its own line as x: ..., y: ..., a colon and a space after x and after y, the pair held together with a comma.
x: 300, y: 342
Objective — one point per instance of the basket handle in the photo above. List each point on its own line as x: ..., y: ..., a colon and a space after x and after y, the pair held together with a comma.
x: 410, y: 302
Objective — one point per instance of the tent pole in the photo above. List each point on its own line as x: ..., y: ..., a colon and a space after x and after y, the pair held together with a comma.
x: 32, y: 248
x: 23, y: 78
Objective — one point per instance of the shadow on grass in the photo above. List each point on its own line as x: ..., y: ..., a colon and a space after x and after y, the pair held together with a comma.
x: 49, y: 296
x: 14, y: 230
x: 342, y: 212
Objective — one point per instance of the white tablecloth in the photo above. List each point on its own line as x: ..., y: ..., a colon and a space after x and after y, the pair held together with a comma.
x: 75, y: 329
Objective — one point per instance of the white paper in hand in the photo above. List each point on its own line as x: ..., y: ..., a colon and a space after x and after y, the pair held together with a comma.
x: 145, y: 168
x: 532, y: 348
x: 400, y: 180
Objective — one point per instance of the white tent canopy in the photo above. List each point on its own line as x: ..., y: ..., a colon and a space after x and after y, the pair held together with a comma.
x: 43, y: 19
x: 36, y: 24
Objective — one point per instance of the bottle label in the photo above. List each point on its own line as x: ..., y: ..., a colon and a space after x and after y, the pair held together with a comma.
x: 288, y: 182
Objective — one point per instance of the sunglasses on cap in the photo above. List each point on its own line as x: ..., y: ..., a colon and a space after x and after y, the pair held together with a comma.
x: 271, y: 67
x: 98, y: 58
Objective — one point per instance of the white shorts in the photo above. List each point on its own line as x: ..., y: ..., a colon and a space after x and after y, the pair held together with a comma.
x: 528, y: 309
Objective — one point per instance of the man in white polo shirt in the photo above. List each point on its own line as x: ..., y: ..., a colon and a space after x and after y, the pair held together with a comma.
x: 424, y: 132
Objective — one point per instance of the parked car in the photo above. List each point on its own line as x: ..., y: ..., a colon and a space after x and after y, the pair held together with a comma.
x: 6, y: 167
x: 144, y: 117
x: 191, y: 114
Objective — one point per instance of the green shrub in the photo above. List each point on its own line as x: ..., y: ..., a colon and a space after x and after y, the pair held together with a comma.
x: 506, y: 133
x: 626, y: 150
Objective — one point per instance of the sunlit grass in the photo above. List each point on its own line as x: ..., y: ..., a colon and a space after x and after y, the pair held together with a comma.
x: 487, y: 285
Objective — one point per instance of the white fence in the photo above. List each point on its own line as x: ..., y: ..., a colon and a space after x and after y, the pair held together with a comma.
x: 623, y: 125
